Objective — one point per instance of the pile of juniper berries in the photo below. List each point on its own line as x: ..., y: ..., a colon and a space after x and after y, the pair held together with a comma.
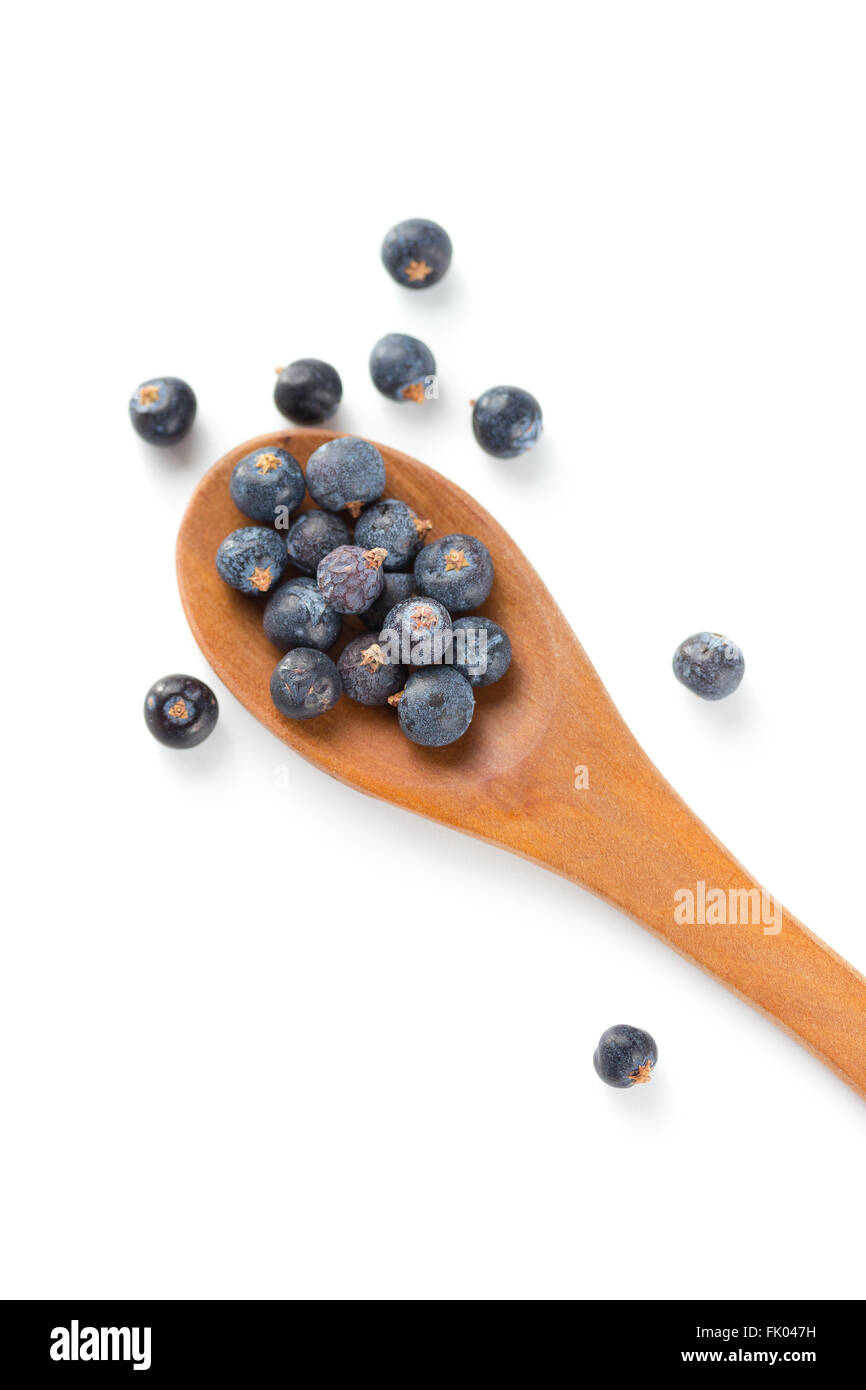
x: 419, y: 653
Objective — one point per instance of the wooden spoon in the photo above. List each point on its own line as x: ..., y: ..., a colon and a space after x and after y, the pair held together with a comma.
x: 510, y: 780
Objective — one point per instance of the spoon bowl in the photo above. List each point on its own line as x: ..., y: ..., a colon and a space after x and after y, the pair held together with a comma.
x: 356, y: 743
x: 510, y: 779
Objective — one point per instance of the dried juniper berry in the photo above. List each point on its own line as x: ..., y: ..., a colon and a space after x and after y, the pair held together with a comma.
x: 457, y: 570
x: 305, y: 684
x: 416, y: 253
x: 296, y: 615
x: 252, y: 559
x: 351, y: 578
x: 312, y: 536
x: 180, y: 711
x: 507, y: 421
x: 345, y: 472
x: 308, y: 391
x: 417, y: 632
x: 267, y: 482
x: 402, y: 368
x: 395, y: 526
x: 395, y: 588
x: 625, y: 1056
x: 481, y: 650
x: 436, y: 706
x: 162, y: 410
x: 367, y: 673
x: 709, y: 664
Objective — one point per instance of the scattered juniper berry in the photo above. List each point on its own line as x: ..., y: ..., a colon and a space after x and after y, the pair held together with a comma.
x: 305, y: 684
x: 312, y: 536
x: 395, y: 526
x: 252, y: 559
x: 417, y: 632
x: 308, y: 391
x: 625, y: 1056
x: 351, y: 578
x: 367, y: 674
x: 482, y: 651
x: 457, y: 570
x: 395, y: 588
x: 506, y: 421
x: 265, y: 481
x: 162, y: 410
x: 416, y: 252
x: 180, y: 711
x: 709, y: 664
x: 436, y: 706
x: 345, y: 472
x: 296, y: 615
x: 402, y: 367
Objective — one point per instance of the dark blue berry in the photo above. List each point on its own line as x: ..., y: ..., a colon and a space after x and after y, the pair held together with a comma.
x: 457, y: 570
x: 296, y: 615
x: 162, y: 410
x: 351, y: 578
x: 308, y: 391
x: 402, y: 367
x: 345, y: 472
x: 266, y: 482
x: 252, y: 559
x: 417, y: 632
x: 305, y: 684
x: 313, y: 536
x: 395, y: 588
x: 394, y: 526
x: 367, y: 674
x: 625, y: 1056
x: 180, y: 711
x: 436, y: 706
x: 416, y: 252
x: 507, y: 421
x: 481, y: 650
x: 709, y: 664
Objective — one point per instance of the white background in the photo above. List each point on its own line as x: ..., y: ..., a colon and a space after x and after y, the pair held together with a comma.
x: 261, y: 1037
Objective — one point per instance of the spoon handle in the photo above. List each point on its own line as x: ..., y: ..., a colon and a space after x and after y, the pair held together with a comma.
x: 783, y: 969
x: 637, y: 844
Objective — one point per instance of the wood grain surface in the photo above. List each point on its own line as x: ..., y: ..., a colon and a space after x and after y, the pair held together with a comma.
x: 627, y: 837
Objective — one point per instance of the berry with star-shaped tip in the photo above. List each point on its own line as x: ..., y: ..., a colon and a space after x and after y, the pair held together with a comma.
x: 162, y: 410
x: 456, y: 570
x: 625, y: 1056
x: 402, y: 367
x: 252, y: 559
x: 267, y: 482
x: 180, y: 711
x: 416, y: 253
x: 417, y: 632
